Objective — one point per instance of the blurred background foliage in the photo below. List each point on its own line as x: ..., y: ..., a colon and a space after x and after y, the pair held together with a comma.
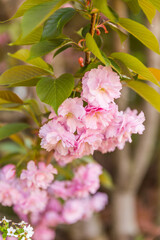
x: 132, y: 180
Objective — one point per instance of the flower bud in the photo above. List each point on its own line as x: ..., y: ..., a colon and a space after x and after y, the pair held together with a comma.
x: 81, y: 61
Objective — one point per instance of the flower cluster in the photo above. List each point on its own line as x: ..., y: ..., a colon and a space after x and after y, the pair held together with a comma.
x: 84, y: 182
x: 36, y: 195
x: 21, y: 230
x: 78, y: 131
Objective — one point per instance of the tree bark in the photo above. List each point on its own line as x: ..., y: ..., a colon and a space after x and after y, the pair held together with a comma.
x: 124, y: 215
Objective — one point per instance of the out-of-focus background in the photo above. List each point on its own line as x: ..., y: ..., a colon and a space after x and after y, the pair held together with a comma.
x: 134, y: 200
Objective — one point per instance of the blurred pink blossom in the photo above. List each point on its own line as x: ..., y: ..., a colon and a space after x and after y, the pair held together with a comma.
x: 40, y: 176
x: 8, y: 172
x: 42, y: 232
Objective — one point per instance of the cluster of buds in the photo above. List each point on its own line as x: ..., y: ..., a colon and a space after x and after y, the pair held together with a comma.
x: 98, y: 32
x: 21, y: 231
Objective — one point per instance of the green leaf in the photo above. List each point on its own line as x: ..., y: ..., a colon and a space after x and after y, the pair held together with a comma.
x: 121, y: 34
x: 92, y: 46
x: 124, y: 71
x: 80, y: 73
x: 32, y: 108
x: 106, y: 180
x: 103, y: 7
x: 62, y: 49
x: 133, y: 5
x: 23, y: 55
x: 55, y: 91
x: 146, y: 92
x: 148, y: 9
x: 135, y: 65
x: 115, y: 65
x: 12, y: 128
x: 156, y: 3
x: 36, y: 15
x: 32, y: 38
x: 28, y: 83
x: 26, y: 6
x: 44, y: 47
x: 9, y: 97
x: 141, y: 33
x: 20, y: 74
x: 54, y: 25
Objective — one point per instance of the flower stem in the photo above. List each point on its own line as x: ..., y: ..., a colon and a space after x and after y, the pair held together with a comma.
x: 92, y: 31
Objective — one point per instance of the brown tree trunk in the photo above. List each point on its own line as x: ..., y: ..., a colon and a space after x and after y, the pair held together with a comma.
x: 125, y: 226
x: 132, y: 169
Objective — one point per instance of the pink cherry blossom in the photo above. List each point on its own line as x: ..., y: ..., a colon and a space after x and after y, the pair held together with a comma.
x: 40, y: 176
x: 9, y: 195
x: 52, y: 219
x: 54, y: 205
x: 55, y: 136
x: 86, y: 179
x: 131, y: 123
x: 72, y: 111
x: 99, y: 201
x: 42, y: 232
x: 62, y: 189
x: 33, y: 201
x: 100, y: 86
x: 88, y: 141
x: 98, y: 118
x: 8, y: 172
x: 63, y: 160
x: 73, y: 211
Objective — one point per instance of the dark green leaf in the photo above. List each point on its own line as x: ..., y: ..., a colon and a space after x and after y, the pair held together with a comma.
x: 55, y: 91
x: 54, y: 25
x: 141, y: 33
x: 121, y: 34
x: 12, y: 128
x: 124, y: 71
x: 114, y: 65
x: 62, y: 49
x: 97, y: 38
x: 133, y: 5
x: 80, y: 73
x: 36, y: 15
x: 44, y: 47
x: 146, y: 92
